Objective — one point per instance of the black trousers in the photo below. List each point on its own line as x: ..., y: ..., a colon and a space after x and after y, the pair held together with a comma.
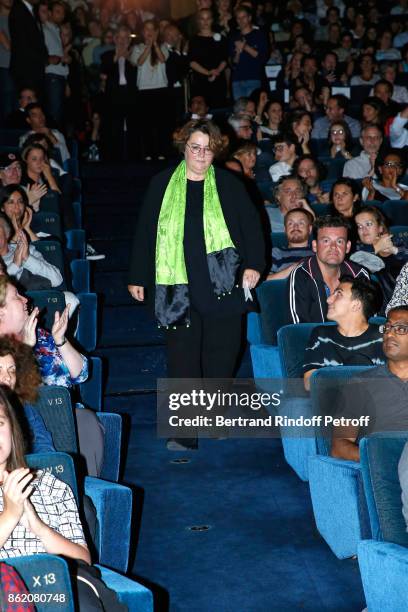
x: 209, y: 348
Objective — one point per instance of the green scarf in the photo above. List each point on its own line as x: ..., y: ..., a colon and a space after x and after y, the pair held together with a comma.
x: 170, y: 263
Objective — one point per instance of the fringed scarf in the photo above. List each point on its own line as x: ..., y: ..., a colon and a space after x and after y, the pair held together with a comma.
x: 172, y: 304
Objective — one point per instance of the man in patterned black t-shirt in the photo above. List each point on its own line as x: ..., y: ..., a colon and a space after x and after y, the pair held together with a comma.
x: 353, y: 341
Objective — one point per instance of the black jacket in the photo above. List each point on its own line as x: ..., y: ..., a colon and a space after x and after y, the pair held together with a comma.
x: 306, y: 292
x: 29, y: 55
x: 240, y: 216
x: 114, y: 92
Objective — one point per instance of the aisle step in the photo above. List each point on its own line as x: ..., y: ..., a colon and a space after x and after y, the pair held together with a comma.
x: 133, y: 368
x: 128, y: 325
x: 113, y: 286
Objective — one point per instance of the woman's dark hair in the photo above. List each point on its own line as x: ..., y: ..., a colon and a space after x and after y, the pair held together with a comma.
x: 383, y: 154
x: 16, y: 458
x: 378, y: 215
x: 295, y: 117
x: 354, y: 186
x: 378, y: 106
x: 153, y: 54
x: 28, y: 377
x: 217, y: 142
x: 347, y: 133
x: 7, y: 191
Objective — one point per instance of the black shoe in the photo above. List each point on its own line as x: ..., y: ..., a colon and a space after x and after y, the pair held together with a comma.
x: 182, y: 444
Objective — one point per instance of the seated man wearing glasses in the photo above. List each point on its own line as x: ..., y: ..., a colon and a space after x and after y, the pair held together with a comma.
x: 286, y: 153
x: 353, y: 341
x: 379, y: 393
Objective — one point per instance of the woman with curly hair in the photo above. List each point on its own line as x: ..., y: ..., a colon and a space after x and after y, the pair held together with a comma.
x: 19, y: 371
x: 199, y: 250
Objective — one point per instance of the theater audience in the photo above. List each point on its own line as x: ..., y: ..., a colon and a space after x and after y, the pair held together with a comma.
x: 290, y: 192
x: 398, y: 131
x: 309, y: 170
x: 36, y: 120
x: 389, y: 168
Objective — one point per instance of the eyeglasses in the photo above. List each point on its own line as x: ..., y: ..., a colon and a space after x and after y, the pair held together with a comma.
x: 335, y: 132
x: 399, y: 328
x: 279, y: 147
x: 10, y: 168
x: 245, y: 127
x: 297, y: 192
x: 391, y: 164
x: 196, y: 150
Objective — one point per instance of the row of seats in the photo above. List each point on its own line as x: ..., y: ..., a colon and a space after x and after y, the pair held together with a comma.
x: 357, y: 506
x: 48, y: 574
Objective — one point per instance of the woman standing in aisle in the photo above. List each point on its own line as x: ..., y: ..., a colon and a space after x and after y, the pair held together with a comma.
x: 198, y: 242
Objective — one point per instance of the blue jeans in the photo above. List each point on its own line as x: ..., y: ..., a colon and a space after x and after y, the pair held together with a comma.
x: 55, y: 96
x: 8, y: 98
x: 244, y: 88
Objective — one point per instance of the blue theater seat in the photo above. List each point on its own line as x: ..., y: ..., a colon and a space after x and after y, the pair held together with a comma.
x: 383, y: 560
x: 87, y: 321
x: 111, y: 500
x: 80, y: 275
x: 37, y: 570
x: 50, y: 202
x: 397, y: 211
x: 75, y: 241
x: 336, y: 485
x: 263, y: 327
x: 297, y: 448
x: 48, y: 301
x: 47, y: 222
x: 54, y: 405
x: 51, y: 250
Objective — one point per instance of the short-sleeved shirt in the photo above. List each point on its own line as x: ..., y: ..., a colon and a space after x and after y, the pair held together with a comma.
x: 148, y: 76
x: 283, y: 257
x: 55, y: 504
x: 327, y: 347
x: 379, y: 394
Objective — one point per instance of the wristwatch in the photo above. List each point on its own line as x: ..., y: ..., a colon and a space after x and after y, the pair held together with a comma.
x: 61, y: 343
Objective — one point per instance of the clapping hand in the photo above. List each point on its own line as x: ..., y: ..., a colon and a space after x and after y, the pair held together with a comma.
x: 21, y: 253
x: 30, y: 519
x: 35, y: 193
x: 30, y: 326
x: 16, y: 489
x: 60, y: 325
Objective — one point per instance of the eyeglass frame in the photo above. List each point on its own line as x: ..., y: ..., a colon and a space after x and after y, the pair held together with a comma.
x: 207, y: 151
x: 387, y: 327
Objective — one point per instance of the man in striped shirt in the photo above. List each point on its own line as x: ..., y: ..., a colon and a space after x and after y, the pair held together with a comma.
x: 298, y: 227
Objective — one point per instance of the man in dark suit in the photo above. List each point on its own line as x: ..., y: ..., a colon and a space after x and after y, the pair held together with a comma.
x: 119, y: 138
x: 29, y: 54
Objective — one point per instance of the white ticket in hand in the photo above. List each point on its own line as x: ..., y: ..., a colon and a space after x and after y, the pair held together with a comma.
x: 247, y: 293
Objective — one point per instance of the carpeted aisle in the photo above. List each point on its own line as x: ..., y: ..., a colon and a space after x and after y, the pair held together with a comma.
x: 261, y: 552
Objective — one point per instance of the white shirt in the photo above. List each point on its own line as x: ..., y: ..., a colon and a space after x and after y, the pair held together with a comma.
x: 398, y: 134
x: 53, y: 42
x: 148, y: 76
x: 279, y: 169
x: 359, y: 167
x: 29, y: 6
